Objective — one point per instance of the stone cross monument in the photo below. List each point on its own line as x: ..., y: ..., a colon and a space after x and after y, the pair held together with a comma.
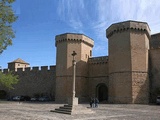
x: 73, y: 107
x: 73, y: 100
x: 68, y: 46
x: 74, y: 72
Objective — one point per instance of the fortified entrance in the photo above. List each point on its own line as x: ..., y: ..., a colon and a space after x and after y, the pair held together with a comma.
x: 102, y: 92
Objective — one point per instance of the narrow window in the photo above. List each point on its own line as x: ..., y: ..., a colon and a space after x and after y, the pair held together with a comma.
x: 90, y: 52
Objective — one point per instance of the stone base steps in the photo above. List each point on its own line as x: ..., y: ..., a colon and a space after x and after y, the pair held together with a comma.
x: 76, y: 109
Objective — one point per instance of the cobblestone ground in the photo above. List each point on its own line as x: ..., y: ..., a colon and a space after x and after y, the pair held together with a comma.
x: 41, y: 111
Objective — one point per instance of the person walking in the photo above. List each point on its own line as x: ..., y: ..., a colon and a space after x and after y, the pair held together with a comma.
x: 96, y: 102
x: 91, y: 102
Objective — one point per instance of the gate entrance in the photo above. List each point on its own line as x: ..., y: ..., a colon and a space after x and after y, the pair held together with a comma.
x: 102, y: 92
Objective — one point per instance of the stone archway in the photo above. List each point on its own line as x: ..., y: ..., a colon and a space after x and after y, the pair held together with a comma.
x: 102, y: 92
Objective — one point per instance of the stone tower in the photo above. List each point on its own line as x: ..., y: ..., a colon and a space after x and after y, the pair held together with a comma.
x: 66, y: 44
x: 128, y: 62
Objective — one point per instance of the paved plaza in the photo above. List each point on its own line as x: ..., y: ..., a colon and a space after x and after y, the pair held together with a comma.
x: 41, y: 111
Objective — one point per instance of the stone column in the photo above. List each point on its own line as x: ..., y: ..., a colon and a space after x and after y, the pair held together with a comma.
x: 74, y: 78
x: 73, y: 100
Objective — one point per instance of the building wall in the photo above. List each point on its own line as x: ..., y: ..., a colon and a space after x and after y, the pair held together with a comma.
x: 128, y: 57
x: 15, y: 65
x: 20, y: 65
x: 154, y: 72
x: 154, y: 53
x: 98, y: 75
x: 66, y: 44
x: 34, y: 82
x: 62, y: 77
x: 140, y: 62
x: 119, y: 68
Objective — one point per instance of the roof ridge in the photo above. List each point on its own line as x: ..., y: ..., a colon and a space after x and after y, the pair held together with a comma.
x: 19, y: 60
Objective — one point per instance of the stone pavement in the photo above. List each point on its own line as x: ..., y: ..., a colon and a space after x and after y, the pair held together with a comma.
x: 41, y: 111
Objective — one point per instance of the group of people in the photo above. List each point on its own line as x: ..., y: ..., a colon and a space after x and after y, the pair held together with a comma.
x: 94, y: 102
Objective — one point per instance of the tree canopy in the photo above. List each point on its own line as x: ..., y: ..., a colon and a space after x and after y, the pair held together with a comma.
x: 7, y: 17
x: 8, y: 80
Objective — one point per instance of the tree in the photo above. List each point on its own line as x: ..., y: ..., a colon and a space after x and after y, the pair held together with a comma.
x: 8, y: 79
x: 7, y: 17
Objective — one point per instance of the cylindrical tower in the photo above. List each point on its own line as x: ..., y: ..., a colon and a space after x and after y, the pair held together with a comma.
x: 128, y: 62
x: 66, y: 44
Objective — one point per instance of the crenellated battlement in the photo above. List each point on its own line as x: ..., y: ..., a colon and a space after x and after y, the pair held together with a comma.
x: 128, y: 25
x: 31, y: 69
x: 74, y: 37
x: 98, y: 60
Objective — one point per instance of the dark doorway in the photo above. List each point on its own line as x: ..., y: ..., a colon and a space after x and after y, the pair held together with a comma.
x: 102, y: 92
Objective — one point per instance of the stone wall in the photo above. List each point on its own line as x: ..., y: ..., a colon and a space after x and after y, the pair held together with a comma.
x: 140, y: 65
x: 140, y: 87
x: 129, y: 92
x: 120, y: 67
x: 155, y: 41
x: 120, y: 87
x: 66, y: 44
x: 154, y: 73
x: 98, y: 74
x: 34, y: 81
x: 154, y: 53
x: 128, y: 54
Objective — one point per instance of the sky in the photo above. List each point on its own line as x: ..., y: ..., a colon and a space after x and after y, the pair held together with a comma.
x: 39, y: 21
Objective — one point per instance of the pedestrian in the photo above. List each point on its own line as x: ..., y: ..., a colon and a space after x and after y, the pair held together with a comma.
x: 96, y: 102
x: 91, y: 102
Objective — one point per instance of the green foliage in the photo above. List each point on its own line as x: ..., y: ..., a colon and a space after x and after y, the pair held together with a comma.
x: 7, y: 17
x: 8, y: 79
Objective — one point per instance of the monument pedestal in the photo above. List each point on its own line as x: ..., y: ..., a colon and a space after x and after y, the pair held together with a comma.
x: 73, y: 101
x: 73, y: 108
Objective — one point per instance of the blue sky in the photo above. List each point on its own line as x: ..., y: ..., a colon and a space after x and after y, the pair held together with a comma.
x: 39, y: 21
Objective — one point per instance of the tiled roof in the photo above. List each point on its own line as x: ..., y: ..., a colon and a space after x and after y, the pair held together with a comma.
x: 19, y: 61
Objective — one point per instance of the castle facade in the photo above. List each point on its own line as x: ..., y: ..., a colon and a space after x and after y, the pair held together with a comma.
x: 129, y: 74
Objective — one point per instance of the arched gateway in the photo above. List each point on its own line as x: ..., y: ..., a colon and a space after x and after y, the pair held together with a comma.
x: 102, y: 92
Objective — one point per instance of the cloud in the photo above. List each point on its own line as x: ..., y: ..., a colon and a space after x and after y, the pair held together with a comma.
x: 140, y: 10
x: 112, y: 11
x: 70, y: 11
x: 98, y: 15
